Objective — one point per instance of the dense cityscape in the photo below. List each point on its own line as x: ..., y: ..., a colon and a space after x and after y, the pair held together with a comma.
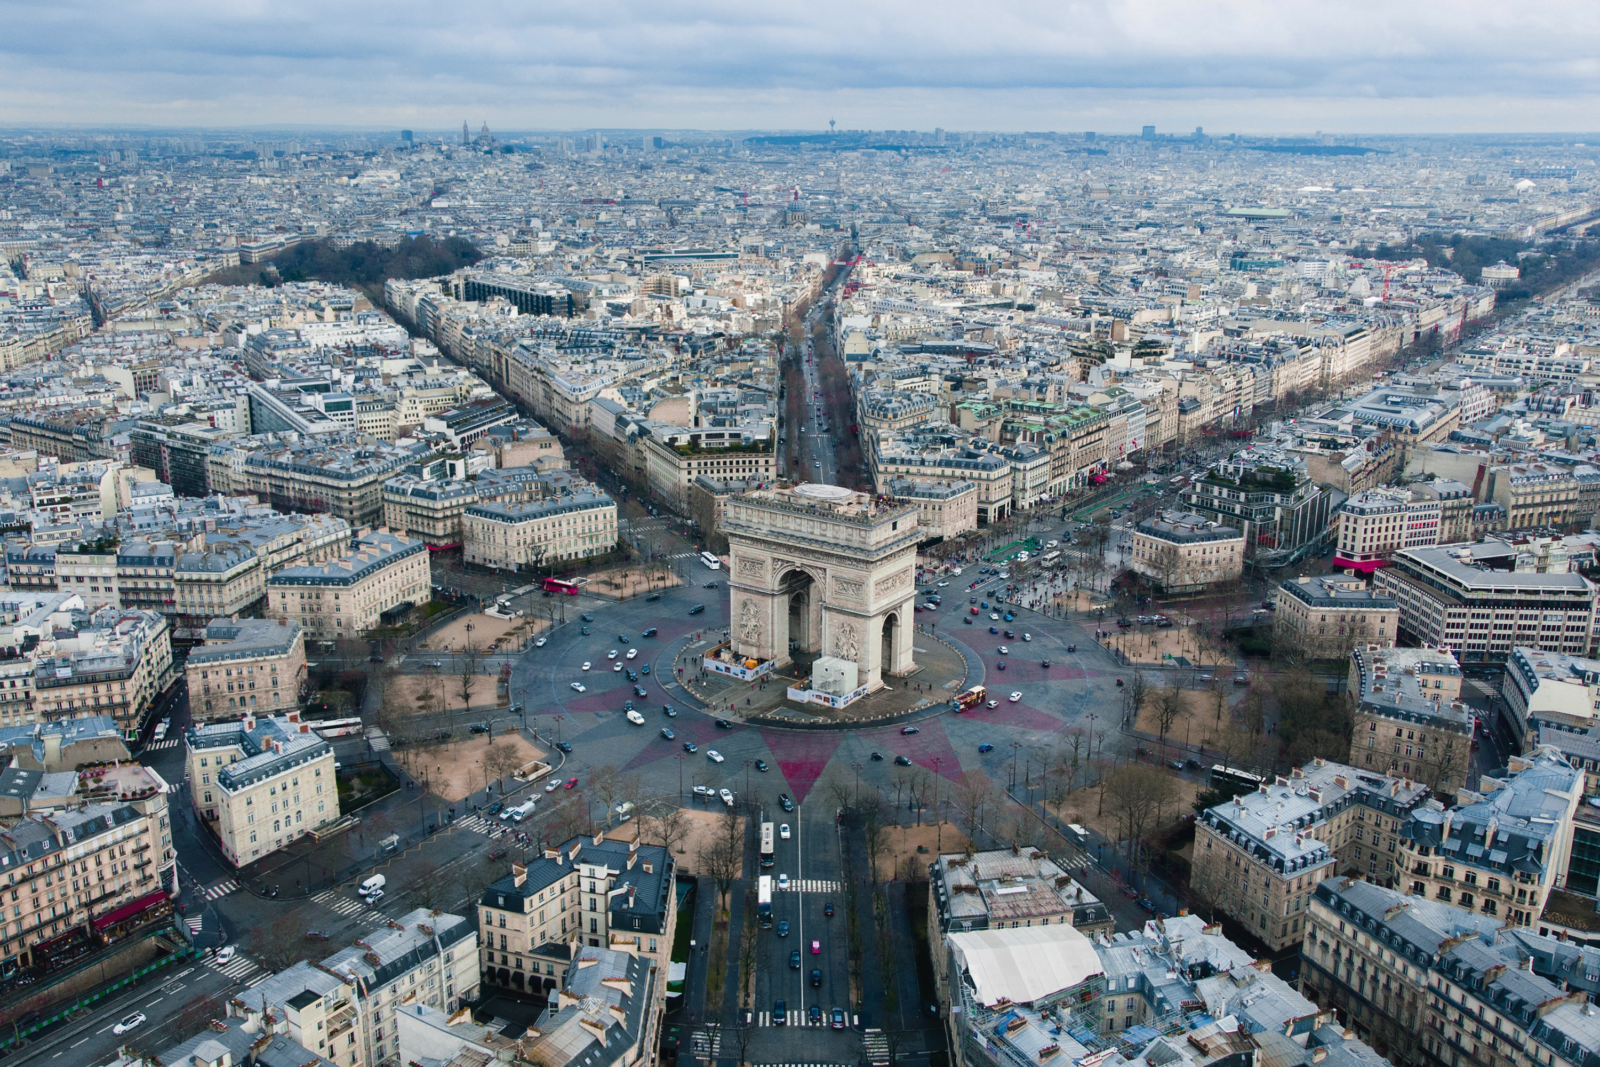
x: 478, y: 596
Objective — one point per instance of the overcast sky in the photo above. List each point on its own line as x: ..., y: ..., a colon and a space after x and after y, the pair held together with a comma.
x: 1271, y: 66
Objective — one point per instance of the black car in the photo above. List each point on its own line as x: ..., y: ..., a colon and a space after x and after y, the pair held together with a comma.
x: 877, y: 757
x: 640, y: 691
x: 632, y: 676
x: 784, y: 802
x: 761, y: 765
x: 625, y: 639
x: 586, y: 617
x: 711, y: 585
x: 669, y: 711
x: 697, y: 609
x: 903, y: 761
x: 780, y: 1013
x: 794, y: 959
x: 585, y: 631
x: 478, y: 728
x: 689, y: 746
x: 724, y: 724
x: 816, y: 976
x: 827, y: 909
x: 650, y: 632
x: 565, y: 746
x: 653, y: 596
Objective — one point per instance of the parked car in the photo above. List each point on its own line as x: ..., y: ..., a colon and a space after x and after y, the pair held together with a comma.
x: 565, y: 746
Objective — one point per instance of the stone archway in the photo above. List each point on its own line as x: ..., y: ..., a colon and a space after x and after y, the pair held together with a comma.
x: 804, y: 623
x: 886, y: 646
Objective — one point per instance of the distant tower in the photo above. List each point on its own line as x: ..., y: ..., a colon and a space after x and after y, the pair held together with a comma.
x: 405, y: 135
x: 465, y: 137
x: 830, y: 127
x: 1148, y: 134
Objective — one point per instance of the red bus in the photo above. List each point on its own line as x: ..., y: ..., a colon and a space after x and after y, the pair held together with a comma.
x: 556, y: 585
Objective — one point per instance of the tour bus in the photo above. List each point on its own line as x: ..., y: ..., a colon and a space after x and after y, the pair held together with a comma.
x: 1235, y: 779
x: 556, y: 585
x: 711, y: 561
x: 766, y: 844
x: 971, y: 698
x: 337, y: 727
x: 764, y: 900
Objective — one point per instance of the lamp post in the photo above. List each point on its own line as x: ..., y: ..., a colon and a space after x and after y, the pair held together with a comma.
x: 1015, y: 746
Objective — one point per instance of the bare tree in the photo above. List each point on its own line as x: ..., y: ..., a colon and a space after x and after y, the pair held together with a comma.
x: 500, y: 761
x: 1170, y: 706
x: 605, y: 782
x: 874, y: 827
x: 973, y: 795
x: 668, y: 824
x: 280, y: 942
x: 1138, y: 689
x: 722, y: 857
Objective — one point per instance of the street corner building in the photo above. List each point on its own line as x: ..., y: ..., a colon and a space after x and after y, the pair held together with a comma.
x: 258, y: 784
x: 246, y: 665
x: 346, y: 597
x: 1183, y: 552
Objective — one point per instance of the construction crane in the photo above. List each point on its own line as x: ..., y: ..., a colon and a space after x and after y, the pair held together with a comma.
x: 1387, y: 271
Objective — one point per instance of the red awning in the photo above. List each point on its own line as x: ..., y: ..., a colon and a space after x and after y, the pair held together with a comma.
x: 128, y: 911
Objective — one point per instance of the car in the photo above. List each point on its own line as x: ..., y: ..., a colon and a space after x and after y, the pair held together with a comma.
x: 633, y: 653
x: 724, y: 724
x: 565, y: 746
x: 612, y: 654
x: 616, y: 667
x: 794, y: 959
x: 586, y: 665
x: 704, y: 791
x: 640, y: 691
x: 967, y: 619
x: 972, y: 600
x: 690, y: 746
x: 478, y: 728
x: 877, y: 757
x: 943, y: 584
x: 780, y: 1009
x: 667, y: 734
x: 1072, y: 648
x: 630, y: 675
x: 579, y: 687
x: 653, y: 596
x: 995, y: 617
x: 650, y: 632
x: 784, y: 802
x: 816, y: 948
x: 903, y: 761
x: 986, y: 747
x: 645, y: 669
x: 761, y: 765
x: 584, y: 631
x: 838, y: 1018
x: 1010, y: 635
x: 783, y: 881
x: 714, y: 756
x: 586, y: 617
x: 710, y: 585
x: 1004, y: 650
x: 909, y: 730
x: 1009, y: 616
x: 316, y: 935
x: 572, y: 783
x: 1045, y: 664
x: 498, y: 854
x: 992, y: 704
x: 816, y: 978
x: 783, y: 831
x: 540, y: 643
x: 1027, y: 637
x: 552, y: 787
x: 1175, y: 764
x: 697, y: 609
x: 783, y: 927
x: 226, y: 954
x: 1016, y: 696
x: 1000, y: 665
x: 827, y: 909
x: 1191, y: 765
x: 669, y: 711
x: 136, y: 1020
x: 814, y: 1015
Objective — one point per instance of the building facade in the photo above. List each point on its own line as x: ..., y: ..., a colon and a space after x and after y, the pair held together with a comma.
x: 1326, y: 617
x: 246, y: 666
x: 1184, y: 552
x: 344, y: 597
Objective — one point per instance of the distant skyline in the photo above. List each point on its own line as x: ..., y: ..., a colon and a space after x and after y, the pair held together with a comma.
x: 1238, y: 65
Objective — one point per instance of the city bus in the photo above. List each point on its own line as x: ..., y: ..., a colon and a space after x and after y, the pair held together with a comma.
x: 711, y: 561
x: 1235, y: 779
x: 556, y: 585
x: 971, y: 698
x: 764, y: 901
x: 337, y: 727
x: 1051, y: 557
x: 766, y: 844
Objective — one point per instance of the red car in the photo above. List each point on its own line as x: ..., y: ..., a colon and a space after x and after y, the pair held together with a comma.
x: 816, y: 948
x: 572, y: 783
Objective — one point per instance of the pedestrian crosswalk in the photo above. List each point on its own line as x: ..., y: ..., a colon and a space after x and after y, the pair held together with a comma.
x: 343, y: 905
x: 194, y: 922
x: 221, y: 889
x: 706, y: 1045
x: 160, y: 746
x: 794, y: 1017
x: 875, y: 1047
x: 479, y: 825
x: 377, y: 740
x: 813, y: 885
x: 241, y: 969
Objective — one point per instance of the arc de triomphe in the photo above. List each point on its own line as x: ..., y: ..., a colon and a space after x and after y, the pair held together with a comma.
x: 820, y: 568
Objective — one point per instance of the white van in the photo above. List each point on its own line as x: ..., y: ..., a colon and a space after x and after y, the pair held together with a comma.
x: 518, y: 813
x: 372, y: 885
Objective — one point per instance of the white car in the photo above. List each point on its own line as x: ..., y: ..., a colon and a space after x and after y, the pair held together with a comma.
x: 992, y: 704
x: 632, y: 652
x: 616, y: 667
x: 226, y: 954
x: 612, y: 654
x: 1005, y: 650
x: 727, y: 797
x: 552, y: 787
x: 1051, y: 544
x: 539, y: 643
x: 943, y: 584
x: 783, y: 830
x: 585, y: 664
x: 713, y: 755
x: 1004, y: 574
x: 994, y: 616
x: 1027, y: 636
x: 635, y: 718
x: 132, y: 1022
x: 956, y: 571
x: 578, y: 687
x: 1015, y: 697
x: 783, y: 881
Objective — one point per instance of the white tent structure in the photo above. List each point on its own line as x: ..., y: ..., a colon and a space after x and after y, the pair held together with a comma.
x: 1024, y: 965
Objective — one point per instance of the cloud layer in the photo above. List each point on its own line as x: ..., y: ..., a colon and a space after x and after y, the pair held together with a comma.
x: 1233, y: 64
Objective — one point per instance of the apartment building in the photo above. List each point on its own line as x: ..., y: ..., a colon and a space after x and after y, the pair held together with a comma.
x: 1182, y: 552
x: 1380, y: 522
x: 223, y: 578
x: 1504, y: 847
x: 708, y: 503
x: 1449, y: 596
x: 257, y: 784
x: 112, y: 662
x: 589, y: 891
x: 1433, y: 985
x: 83, y: 876
x: 1554, y: 699
x: 346, y: 1006
x: 1266, y: 494
x: 89, y: 568
x: 1005, y: 889
x: 1260, y: 856
x: 1410, y: 720
x: 941, y: 465
x: 246, y: 666
x: 345, y: 597
x: 427, y: 509
x: 944, y: 509
x: 1455, y: 508
x: 1535, y: 494
x: 327, y: 474
x: 569, y: 526
x: 672, y: 462
x: 1321, y: 617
